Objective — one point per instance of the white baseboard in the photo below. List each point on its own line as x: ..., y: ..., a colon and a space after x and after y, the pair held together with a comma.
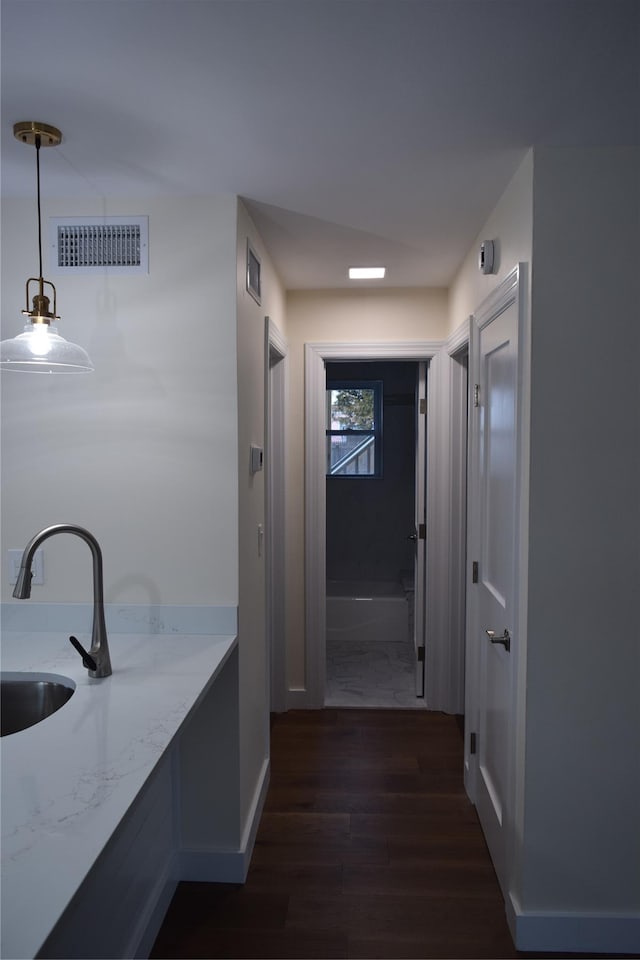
x: 573, y: 932
x: 227, y: 866
x: 255, y: 812
x: 212, y: 866
x: 299, y: 698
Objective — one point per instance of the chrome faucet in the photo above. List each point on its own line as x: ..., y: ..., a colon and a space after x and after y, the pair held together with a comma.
x: 99, y: 651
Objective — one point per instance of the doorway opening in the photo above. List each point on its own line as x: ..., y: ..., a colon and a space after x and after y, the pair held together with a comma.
x: 443, y: 564
x: 375, y: 521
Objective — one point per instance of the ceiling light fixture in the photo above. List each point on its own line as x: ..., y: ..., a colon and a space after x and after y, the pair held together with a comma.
x: 40, y: 348
x: 367, y: 273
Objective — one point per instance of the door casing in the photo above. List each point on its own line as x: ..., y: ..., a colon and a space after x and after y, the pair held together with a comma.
x: 275, y: 400
x: 512, y: 290
x: 420, y: 518
x: 437, y: 694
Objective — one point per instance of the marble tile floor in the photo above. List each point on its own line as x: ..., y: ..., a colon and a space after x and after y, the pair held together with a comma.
x: 371, y: 674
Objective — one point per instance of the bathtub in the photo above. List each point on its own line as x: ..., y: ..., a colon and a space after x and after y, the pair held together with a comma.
x: 367, y: 610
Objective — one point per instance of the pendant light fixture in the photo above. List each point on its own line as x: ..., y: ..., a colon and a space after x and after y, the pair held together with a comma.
x: 40, y: 348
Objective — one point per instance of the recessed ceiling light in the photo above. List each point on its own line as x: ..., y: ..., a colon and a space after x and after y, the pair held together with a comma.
x: 367, y: 273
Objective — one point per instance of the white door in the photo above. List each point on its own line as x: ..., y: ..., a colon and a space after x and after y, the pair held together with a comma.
x: 494, y: 508
x: 419, y: 534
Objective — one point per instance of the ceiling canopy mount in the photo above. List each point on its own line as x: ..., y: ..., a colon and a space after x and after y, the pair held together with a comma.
x: 28, y: 131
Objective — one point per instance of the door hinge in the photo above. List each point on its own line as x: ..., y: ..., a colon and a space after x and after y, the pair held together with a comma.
x: 473, y: 743
x: 423, y: 405
x: 474, y: 572
x: 476, y: 395
x: 420, y: 654
x: 422, y: 531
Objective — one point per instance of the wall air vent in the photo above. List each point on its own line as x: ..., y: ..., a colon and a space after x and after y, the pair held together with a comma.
x: 82, y: 245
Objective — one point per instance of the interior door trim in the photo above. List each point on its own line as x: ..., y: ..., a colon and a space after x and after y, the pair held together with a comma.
x: 316, y: 354
x: 276, y: 350
x: 513, y: 289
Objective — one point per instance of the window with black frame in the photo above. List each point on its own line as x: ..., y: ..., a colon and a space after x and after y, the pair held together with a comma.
x: 354, y: 428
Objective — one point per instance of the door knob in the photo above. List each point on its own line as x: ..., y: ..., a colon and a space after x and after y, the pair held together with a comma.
x: 412, y: 536
x: 505, y: 639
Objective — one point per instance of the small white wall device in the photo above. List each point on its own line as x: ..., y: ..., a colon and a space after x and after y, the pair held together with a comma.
x: 256, y: 458
x: 486, y: 256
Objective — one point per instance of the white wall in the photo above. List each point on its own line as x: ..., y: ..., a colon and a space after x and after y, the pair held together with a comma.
x: 581, y: 829
x: 510, y: 226
x: 337, y: 316
x: 254, y: 692
x: 151, y: 452
x: 143, y: 452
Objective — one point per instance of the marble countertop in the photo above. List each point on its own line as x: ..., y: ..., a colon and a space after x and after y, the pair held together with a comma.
x: 68, y: 781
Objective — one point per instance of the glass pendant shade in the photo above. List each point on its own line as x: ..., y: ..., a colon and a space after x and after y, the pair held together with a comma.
x: 41, y: 349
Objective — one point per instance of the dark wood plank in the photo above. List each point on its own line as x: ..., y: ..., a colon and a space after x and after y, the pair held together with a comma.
x: 202, y: 943
x: 368, y: 847
x: 311, y: 828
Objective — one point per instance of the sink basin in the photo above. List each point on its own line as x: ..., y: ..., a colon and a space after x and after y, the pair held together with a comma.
x: 28, y: 698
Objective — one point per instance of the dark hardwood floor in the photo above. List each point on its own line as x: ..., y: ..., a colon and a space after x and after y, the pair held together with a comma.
x: 368, y: 848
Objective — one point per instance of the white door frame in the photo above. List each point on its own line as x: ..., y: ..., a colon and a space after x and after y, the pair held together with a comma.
x: 512, y: 289
x: 275, y: 402
x: 453, y: 665
x: 438, y: 538
x: 420, y: 520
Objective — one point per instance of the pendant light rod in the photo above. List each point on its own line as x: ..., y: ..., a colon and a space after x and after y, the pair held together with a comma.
x: 38, y: 135
x: 41, y: 304
x: 38, y: 145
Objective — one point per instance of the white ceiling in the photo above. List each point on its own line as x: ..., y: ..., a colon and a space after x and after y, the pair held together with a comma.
x: 358, y: 131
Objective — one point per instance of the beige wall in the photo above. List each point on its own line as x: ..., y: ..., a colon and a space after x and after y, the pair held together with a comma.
x: 142, y: 452
x: 337, y: 316
x: 383, y: 315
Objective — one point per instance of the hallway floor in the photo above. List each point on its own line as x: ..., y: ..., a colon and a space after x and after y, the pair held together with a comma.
x: 368, y: 848
x: 371, y: 674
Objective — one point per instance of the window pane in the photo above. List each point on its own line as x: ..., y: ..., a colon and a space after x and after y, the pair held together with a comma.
x: 352, y: 409
x: 354, y: 428
x: 351, y: 455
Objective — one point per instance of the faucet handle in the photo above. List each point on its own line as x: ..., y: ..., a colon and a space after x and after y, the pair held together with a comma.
x: 87, y: 659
